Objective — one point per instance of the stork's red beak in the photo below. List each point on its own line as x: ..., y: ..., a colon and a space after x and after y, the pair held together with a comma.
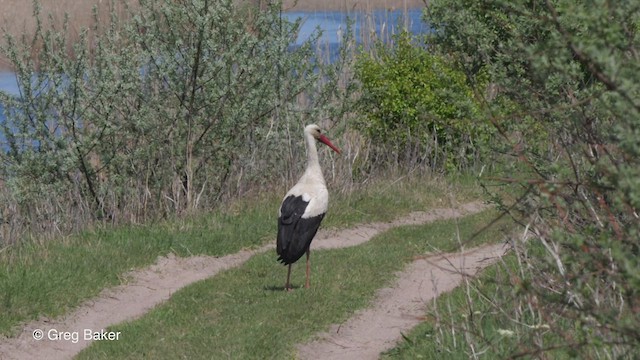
x: 326, y: 141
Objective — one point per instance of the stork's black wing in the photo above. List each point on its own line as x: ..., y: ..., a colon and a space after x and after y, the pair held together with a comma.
x: 295, y: 232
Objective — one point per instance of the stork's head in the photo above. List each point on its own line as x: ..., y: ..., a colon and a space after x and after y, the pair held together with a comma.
x: 315, y: 131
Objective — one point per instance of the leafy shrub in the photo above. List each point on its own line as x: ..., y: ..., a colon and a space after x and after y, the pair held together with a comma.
x: 570, y: 72
x: 411, y: 97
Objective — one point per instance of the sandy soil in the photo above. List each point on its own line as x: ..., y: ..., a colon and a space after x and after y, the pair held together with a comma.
x: 149, y: 287
x: 399, y: 308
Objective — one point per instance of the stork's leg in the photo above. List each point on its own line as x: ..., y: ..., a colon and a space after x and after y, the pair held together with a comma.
x: 287, y: 287
x: 306, y: 285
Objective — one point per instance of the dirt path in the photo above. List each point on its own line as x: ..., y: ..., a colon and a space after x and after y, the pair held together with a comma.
x: 399, y: 308
x: 155, y: 284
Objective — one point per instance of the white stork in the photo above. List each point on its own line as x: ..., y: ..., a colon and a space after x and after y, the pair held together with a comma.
x: 303, y: 207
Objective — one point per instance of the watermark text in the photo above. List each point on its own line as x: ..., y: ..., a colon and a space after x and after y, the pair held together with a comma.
x: 76, y: 336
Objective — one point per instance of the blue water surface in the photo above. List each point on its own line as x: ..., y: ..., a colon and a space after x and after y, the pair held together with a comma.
x: 333, y: 23
x: 9, y: 83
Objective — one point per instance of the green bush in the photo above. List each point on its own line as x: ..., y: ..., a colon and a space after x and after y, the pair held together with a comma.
x: 414, y: 98
x: 570, y: 74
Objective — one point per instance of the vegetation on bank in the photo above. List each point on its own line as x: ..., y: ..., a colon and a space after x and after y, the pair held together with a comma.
x: 176, y: 107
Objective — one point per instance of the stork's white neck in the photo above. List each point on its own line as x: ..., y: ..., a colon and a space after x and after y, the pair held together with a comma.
x: 313, y: 165
x: 312, y: 151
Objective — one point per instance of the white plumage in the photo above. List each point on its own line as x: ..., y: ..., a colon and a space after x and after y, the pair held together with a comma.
x: 303, y: 207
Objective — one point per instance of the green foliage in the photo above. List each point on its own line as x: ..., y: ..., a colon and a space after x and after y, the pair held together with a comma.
x: 410, y: 96
x: 570, y: 74
x: 171, y: 108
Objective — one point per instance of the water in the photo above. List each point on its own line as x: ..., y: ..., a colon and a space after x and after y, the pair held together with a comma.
x: 9, y: 83
x: 333, y: 23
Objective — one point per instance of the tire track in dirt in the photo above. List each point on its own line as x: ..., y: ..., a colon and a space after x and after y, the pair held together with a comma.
x: 399, y: 308
x: 151, y: 286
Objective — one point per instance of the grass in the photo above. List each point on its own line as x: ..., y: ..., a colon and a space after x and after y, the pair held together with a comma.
x: 243, y: 313
x: 47, y: 279
x: 50, y: 278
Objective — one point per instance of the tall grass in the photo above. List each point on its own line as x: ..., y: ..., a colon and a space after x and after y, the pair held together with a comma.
x: 17, y: 18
